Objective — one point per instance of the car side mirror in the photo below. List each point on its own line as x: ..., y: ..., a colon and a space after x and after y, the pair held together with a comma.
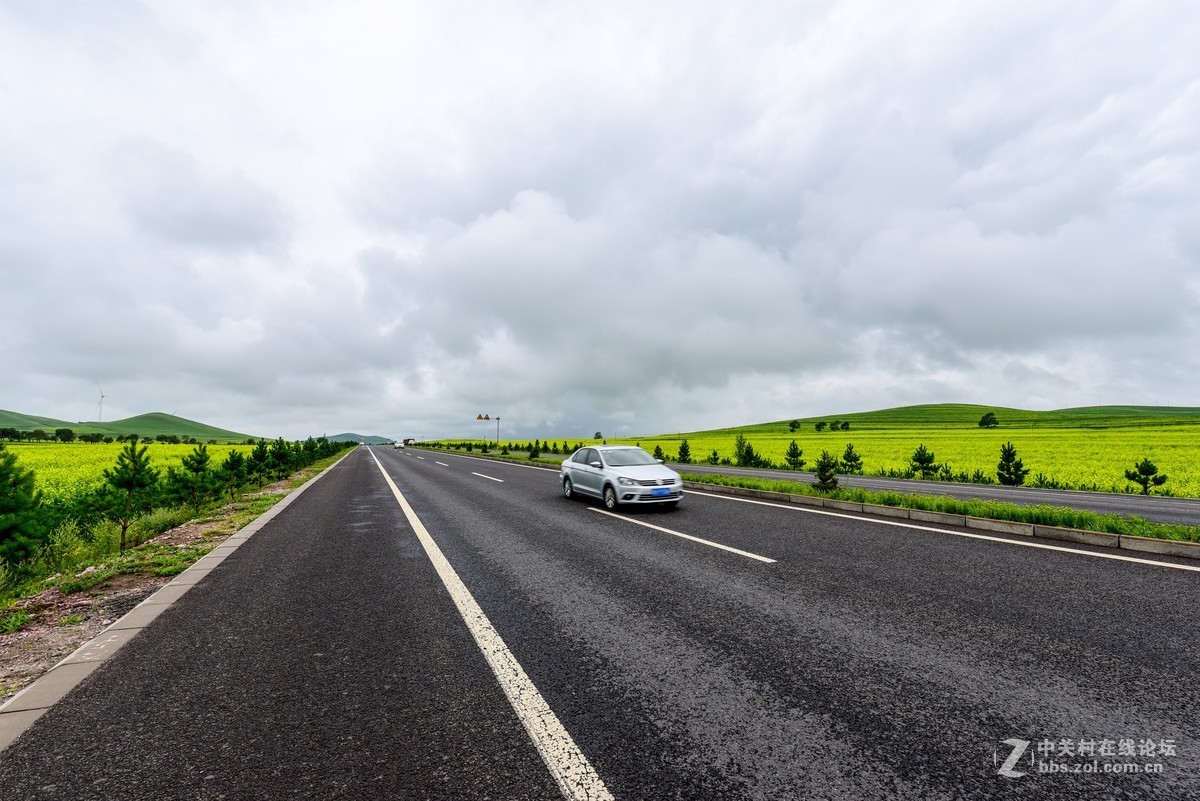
x: 596, y: 465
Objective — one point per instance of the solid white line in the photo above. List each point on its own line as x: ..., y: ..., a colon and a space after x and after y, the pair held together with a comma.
x: 576, y: 777
x: 490, y: 478
x: 709, y: 543
x: 898, y: 524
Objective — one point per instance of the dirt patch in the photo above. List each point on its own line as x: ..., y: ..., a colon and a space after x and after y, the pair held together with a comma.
x: 62, y: 623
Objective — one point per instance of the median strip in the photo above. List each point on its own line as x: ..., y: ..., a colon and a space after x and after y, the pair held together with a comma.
x: 576, y: 777
x: 709, y: 543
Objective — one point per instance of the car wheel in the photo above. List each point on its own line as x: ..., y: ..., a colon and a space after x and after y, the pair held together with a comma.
x: 610, y: 498
x: 568, y: 488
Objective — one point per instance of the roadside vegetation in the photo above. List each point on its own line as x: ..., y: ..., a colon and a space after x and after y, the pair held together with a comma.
x: 1103, y: 449
x: 74, y: 537
x: 995, y: 510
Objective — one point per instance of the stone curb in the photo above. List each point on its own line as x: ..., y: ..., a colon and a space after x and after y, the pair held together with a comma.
x: 19, y: 712
x: 1128, y: 542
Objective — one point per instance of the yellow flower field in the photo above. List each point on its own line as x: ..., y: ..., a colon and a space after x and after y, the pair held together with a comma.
x: 1075, y: 457
x: 62, y: 469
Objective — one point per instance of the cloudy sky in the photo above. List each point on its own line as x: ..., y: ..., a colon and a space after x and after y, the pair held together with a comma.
x: 291, y: 218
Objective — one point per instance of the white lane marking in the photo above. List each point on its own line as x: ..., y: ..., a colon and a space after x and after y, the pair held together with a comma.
x: 898, y: 524
x: 709, y: 543
x: 422, y: 458
x: 507, y: 462
x: 489, y: 478
x: 576, y: 777
x: 443, y: 464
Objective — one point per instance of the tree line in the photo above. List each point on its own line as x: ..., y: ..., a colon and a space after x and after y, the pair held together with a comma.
x: 923, y: 464
x: 133, y: 486
x: 69, y: 435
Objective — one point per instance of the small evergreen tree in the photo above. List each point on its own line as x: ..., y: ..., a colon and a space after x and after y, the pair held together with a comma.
x: 131, y: 476
x: 280, y: 459
x: 826, y: 472
x: 1010, y: 471
x: 195, y: 484
x: 922, y: 462
x: 714, y: 458
x: 794, y: 457
x: 233, y: 473
x: 658, y: 453
x: 1145, y: 474
x: 20, y: 502
x: 685, y: 453
x: 851, y: 461
x: 739, y: 450
x: 260, y: 460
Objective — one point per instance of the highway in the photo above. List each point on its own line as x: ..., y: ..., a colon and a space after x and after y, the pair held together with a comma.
x: 425, y: 625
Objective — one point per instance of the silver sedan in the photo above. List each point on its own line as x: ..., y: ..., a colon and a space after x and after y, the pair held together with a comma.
x: 618, y: 474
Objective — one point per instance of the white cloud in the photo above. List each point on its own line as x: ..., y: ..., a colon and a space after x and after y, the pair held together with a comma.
x: 392, y: 217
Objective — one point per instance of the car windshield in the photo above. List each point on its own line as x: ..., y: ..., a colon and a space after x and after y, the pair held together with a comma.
x: 625, y: 457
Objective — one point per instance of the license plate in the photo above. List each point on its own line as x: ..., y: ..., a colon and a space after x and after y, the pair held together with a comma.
x: 661, y: 492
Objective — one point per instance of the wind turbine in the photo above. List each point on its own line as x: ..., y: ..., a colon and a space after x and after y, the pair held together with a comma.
x: 100, y: 407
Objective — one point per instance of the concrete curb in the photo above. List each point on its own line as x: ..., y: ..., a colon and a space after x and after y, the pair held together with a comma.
x: 20, y: 711
x: 1187, y: 550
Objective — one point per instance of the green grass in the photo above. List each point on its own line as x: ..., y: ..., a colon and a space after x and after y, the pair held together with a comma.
x: 13, y: 621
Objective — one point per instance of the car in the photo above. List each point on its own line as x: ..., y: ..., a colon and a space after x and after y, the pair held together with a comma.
x: 620, y: 474
x: 398, y: 446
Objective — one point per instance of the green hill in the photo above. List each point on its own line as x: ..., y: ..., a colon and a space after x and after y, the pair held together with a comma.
x: 26, y: 422
x: 159, y: 423
x: 360, y: 438
x: 966, y: 415
x: 145, y: 425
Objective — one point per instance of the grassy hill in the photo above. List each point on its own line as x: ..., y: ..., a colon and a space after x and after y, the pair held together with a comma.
x: 145, y: 425
x: 360, y: 438
x: 26, y: 422
x: 966, y: 415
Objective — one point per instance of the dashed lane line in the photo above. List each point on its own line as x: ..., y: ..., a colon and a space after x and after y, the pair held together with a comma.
x: 576, y: 777
x: 709, y: 543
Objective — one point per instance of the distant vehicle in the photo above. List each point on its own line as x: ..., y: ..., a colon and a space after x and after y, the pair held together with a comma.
x: 618, y: 474
x: 398, y: 445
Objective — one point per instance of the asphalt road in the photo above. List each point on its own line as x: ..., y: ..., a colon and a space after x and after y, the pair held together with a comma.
x: 325, y: 658
x: 1159, y: 508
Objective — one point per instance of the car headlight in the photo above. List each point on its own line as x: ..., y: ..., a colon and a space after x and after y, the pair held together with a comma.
x: 626, y: 482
